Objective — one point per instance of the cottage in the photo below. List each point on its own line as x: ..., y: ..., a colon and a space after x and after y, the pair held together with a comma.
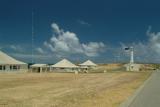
x: 40, y: 68
x: 8, y: 63
x: 65, y: 65
x: 88, y: 64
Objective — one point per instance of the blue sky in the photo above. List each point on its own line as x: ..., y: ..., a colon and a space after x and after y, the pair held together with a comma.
x: 98, y: 28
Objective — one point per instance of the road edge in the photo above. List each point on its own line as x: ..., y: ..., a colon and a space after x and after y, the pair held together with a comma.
x: 131, y: 98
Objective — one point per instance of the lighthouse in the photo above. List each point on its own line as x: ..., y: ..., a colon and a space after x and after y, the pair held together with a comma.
x: 131, y: 55
x: 131, y: 66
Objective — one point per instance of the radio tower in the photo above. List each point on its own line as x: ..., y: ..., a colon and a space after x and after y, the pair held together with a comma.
x: 32, y: 37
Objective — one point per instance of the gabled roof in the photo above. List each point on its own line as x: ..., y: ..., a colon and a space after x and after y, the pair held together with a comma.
x: 64, y: 64
x: 6, y: 59
x: 88, y: 63
x: 39, y: 65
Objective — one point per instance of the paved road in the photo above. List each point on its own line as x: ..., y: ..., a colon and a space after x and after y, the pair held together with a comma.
x: 149, y: 96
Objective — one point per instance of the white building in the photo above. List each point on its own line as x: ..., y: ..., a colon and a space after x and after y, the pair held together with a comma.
x: 40, y: 68
x: 133, y: 67
x: 88, y: 64
x: 65, y: 65
x: 7, y: 63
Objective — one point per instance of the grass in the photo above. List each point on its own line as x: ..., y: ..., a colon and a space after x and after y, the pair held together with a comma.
x: 67, y: 89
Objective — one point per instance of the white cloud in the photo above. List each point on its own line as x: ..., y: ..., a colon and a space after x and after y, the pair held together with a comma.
x: 56, y: 28
x: 93, y: 48
x: 67, y: 43
x: 148, y: 30
x: 148, y: 51
x: 154, y: 40
x: 17, y: 48
x: 1, y: 47
x: 40, y: 50
x: 83, y: 23
x: 37, y: 58
x: 49, y: 46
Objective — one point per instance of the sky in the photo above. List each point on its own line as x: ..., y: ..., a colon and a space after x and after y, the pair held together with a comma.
x: 80, y: 29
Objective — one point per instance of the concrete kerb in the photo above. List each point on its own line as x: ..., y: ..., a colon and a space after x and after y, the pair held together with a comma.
x: 130, y: 99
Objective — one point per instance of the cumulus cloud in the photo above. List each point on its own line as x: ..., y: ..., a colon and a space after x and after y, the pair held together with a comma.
x: 56, y: 28
x: 93, y: 48
x: 154, y: 40
x: 40, y: 50
x: 148, y: 51
x: 67, y: 43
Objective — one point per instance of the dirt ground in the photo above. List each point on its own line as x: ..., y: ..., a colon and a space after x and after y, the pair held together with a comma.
x: 68, y: 89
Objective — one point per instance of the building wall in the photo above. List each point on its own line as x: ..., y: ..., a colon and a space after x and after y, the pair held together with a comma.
x: 7, y: 68
x: 133, y: 67
x: 39, y: 69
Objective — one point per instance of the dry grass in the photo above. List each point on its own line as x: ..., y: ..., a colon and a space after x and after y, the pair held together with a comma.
x: 67, y: 89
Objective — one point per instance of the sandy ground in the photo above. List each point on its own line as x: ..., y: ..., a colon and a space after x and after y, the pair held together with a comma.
x: 68, y: 89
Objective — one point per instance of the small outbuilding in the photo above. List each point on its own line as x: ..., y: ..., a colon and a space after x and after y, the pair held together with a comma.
x: 8, y: 63
x: 39, y: 68
x: 133, y: 67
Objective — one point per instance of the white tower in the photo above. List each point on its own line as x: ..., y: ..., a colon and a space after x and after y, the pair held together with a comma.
x: 132, y: 55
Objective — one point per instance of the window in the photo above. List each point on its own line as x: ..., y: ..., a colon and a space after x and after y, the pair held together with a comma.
x: 14, y: 67
x: 10, y: 67
x: 1, y: 67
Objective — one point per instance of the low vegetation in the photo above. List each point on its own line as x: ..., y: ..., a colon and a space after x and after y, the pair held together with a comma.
x: 67, y: 89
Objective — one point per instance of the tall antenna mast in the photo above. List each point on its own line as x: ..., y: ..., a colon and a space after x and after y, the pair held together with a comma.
x: 32, y: 37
